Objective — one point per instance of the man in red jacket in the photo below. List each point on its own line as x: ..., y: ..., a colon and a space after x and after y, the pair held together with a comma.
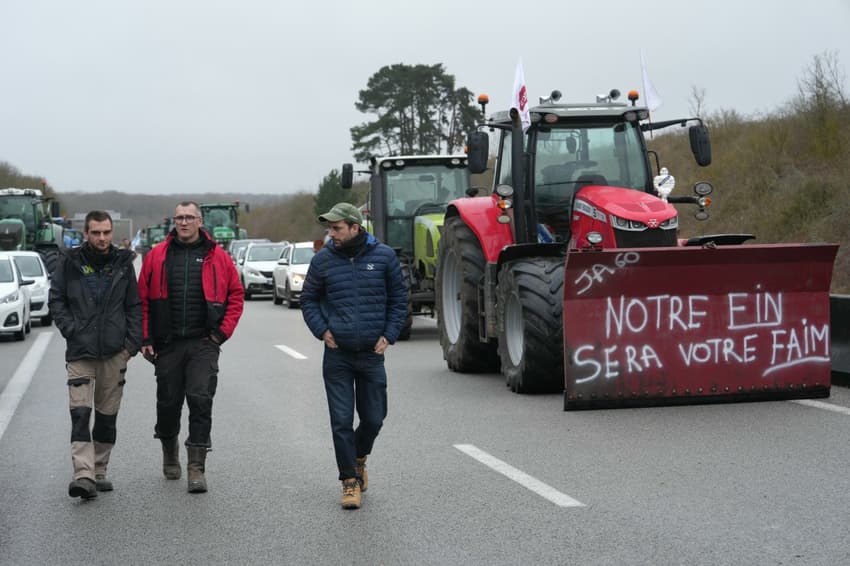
x: 191, y: 302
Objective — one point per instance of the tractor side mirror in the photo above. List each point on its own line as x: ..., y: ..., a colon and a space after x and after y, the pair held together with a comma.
x: 700, y: 144
x: 347, y: 178
x: 478, y: 148
x: 54, y: 209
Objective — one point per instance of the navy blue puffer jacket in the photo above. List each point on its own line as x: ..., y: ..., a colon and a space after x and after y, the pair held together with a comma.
x: 359, y: 299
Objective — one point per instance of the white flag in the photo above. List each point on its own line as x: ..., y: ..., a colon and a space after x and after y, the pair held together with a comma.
x: 519, y: 100
x: 653, y: 100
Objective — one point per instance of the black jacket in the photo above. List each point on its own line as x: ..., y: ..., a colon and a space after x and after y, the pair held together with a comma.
x: 96, y: 329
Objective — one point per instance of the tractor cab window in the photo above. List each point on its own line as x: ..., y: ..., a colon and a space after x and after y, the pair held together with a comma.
x: 567, y: 158
x: 418, y: 190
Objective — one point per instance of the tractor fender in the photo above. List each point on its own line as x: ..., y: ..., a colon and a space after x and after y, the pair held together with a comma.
x: 480, y: 214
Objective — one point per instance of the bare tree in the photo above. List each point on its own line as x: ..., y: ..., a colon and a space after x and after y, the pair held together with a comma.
x: 696, y: 103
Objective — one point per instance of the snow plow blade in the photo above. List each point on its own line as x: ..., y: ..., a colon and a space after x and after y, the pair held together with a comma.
x: 665, y: 326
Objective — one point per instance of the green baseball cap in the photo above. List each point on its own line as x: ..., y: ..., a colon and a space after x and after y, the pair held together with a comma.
x: 342, y: 211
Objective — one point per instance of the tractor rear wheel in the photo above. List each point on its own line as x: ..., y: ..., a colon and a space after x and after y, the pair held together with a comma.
x: 460, y: 266
x: 407, y: 275
x: 531, y: 341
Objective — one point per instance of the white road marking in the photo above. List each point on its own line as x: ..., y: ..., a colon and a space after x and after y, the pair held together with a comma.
x: 20, y: 382
x: 289, y: 351
x: 525, y: 480
x: 822, y: 405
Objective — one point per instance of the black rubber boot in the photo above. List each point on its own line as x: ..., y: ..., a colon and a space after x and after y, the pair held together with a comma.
x: 195, y: 469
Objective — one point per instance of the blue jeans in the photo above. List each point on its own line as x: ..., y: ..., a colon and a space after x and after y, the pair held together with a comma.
x: 354, y: 380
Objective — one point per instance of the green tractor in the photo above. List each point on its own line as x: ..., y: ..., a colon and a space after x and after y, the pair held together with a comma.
x: 221, y: 220
x: 407, y: 200
x: 25, y: 224
x: 151, y: 236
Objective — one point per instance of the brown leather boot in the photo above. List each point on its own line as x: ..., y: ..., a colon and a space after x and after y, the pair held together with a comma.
x: 350, y: 494
x: 170, y: 458
x: 197, y: 456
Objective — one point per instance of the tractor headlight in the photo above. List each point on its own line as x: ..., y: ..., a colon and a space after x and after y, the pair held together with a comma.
x: 670, y: 223
x: 619, y: 222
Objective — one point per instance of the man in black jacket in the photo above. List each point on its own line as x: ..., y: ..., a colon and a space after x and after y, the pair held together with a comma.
x: 95, y: 302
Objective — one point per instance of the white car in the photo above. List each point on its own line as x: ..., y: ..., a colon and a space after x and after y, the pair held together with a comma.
x: 14, y: 299
x: 32, y: 267
x: 289, y: 273
x: 256, y: 266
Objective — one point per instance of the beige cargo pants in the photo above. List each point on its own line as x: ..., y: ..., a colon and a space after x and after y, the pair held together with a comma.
x: 94, y: 386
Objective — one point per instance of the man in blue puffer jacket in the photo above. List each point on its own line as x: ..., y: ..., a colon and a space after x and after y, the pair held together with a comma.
x: 354, y: 299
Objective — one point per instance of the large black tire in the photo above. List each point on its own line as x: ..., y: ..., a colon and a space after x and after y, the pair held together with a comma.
x: 407, y: 275
x: 50, y: 256
x: 460, y: 266
x: 531, y: 337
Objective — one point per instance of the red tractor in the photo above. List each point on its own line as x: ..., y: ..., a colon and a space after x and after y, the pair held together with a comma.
x: 572, y: 276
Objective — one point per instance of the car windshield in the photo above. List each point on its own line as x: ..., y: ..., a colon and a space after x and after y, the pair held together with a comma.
x: 29, y: 266
x: 6, y: 275
x: 302, y: 255
x: 264, y: 253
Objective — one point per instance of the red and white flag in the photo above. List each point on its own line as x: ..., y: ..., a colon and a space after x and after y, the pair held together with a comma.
x: 519, y: 100
x: 653, y: 100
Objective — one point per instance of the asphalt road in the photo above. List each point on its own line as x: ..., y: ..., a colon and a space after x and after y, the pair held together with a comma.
x: 464, y: 472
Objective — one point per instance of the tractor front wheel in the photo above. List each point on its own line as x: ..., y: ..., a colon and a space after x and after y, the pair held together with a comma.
x: 407, y: 275
x: 531, y: 337
x: 460, y: 267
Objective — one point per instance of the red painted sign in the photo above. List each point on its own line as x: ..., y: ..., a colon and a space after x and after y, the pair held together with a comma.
x: 668, y: 325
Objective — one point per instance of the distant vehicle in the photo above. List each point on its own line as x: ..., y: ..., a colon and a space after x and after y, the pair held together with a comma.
x: 26, y: 224
x: 288, y: 275
x: 221, y: 220
x: 14, y: 299
x: 256, y: 266
x: 73, y: 237
x: 236, y: 245
x: 32, y: 267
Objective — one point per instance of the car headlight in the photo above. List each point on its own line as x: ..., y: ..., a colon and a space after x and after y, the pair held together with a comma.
x: 252, y: 271
x: 297, y: 279
x: 10, y: 298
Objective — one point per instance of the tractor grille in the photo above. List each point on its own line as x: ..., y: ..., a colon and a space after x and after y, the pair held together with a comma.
x: 649, y: 238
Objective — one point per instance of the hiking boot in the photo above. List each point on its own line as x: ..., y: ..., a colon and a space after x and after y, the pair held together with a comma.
x: 350, y: 493
x: 170, y: 458
x: 360, y: 470
x: 197, y: 456
x: 83, y: 487
x: 101, y: 483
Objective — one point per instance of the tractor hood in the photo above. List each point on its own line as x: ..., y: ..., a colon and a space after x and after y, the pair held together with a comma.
x: 627, y: 203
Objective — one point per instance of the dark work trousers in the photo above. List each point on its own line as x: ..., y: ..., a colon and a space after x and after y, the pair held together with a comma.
x: 354, y: 380
x: 186, y: 369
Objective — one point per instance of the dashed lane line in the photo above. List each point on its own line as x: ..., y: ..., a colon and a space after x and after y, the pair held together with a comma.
x: 290, y: 352
x: 20, y: 382
x: 525, y: 480
x: 821, y: 405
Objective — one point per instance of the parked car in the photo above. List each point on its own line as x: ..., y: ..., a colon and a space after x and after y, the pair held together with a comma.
x: 236, y: 245
x: 256, y: 266
x: 14, y: 299
x: 32, y: 267
x: 288, y: 275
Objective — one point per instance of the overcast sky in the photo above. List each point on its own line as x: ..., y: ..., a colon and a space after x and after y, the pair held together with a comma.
x: 189, y: 96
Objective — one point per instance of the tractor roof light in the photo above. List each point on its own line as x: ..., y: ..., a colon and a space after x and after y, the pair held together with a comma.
x: 633, y: 96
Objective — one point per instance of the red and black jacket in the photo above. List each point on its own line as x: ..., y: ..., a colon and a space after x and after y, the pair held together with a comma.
x: 222, y: 290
